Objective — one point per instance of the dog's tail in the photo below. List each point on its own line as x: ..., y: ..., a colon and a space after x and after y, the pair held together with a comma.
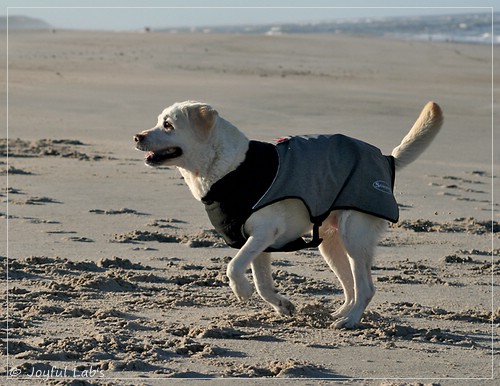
x: 420, y: 136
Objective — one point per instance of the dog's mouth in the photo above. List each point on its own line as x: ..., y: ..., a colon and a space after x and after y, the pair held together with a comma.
x: 158, y: 157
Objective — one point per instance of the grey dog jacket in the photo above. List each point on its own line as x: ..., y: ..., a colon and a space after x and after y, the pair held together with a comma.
x: 326, y: 172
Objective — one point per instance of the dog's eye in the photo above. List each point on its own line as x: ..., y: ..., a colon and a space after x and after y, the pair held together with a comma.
x: 167, y: 125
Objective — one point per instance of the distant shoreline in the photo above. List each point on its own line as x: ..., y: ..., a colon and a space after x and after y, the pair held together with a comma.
x: 474, y: 28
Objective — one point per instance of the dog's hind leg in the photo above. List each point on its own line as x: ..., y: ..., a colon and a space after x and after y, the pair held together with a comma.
x: 262, y: 275
x: 359, y: 234
x: 333, y: 252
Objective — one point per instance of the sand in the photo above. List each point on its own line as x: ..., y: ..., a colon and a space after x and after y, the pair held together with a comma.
x: 114, y: 274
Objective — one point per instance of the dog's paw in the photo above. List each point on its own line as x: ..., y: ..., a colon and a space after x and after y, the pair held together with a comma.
x: 242, y: 289
x: 342, y: 311
x: 285, y: 307
x: 345, y: 322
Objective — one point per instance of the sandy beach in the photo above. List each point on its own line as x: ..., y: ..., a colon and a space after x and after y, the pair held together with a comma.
x: 115, y: 275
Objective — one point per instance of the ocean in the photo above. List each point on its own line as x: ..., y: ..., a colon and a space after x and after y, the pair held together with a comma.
x: 463, y: 28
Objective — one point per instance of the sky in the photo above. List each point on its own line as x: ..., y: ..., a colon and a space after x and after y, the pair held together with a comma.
x: 136, y: 14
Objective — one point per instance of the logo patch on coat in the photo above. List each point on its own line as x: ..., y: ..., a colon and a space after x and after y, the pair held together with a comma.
x: 383, y: 187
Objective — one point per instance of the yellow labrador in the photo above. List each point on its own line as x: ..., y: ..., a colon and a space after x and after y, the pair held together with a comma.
x: 206, y: 148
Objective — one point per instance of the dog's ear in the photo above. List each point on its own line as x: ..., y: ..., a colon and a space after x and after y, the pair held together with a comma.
x: 204, y: 118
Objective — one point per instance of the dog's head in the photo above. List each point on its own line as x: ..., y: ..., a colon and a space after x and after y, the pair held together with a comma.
x: 181, y: 129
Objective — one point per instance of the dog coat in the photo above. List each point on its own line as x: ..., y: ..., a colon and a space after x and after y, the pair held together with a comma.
x: 326, y: 172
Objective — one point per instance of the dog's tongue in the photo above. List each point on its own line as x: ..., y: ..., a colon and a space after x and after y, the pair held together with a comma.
x: 149, y: 155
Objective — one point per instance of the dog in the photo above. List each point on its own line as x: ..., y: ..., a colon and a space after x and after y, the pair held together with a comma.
x: 207, y: 149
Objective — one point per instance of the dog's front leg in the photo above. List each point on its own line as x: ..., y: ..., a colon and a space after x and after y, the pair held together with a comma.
x: 273, y: 225
x: 254, y: 246
x: 263, y: 278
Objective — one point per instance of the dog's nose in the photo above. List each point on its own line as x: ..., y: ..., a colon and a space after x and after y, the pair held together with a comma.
x: 139, y: 137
